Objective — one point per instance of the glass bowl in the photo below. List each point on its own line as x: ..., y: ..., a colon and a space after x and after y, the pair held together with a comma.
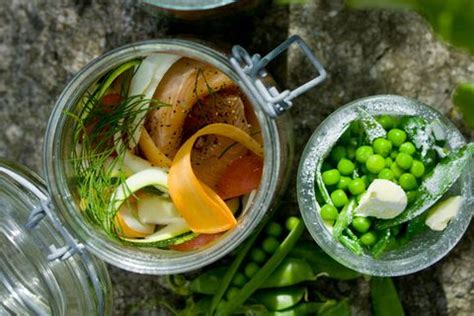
x: 423, y: 250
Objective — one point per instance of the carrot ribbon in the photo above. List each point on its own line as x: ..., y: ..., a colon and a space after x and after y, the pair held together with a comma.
x: 201, y: 207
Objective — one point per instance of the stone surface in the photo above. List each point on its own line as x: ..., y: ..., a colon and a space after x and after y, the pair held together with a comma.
x: 45, y: 42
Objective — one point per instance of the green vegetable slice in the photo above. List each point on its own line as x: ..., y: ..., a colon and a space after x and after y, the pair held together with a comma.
x: 435, y: 185
x: 161, y: 243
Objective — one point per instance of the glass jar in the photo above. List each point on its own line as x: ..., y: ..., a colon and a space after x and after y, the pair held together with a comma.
x: 32, y: 281
x: 249, y: 73
x: 197, y: 9
x: 423, y: 250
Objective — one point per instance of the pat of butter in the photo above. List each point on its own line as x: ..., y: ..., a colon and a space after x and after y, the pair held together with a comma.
x: 440, y: 215
x: 383, y: 199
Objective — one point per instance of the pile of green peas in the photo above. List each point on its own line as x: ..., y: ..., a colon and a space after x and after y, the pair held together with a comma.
x: 354, y: 163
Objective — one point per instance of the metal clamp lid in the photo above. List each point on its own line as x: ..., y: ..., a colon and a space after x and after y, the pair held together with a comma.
x: 71, y: 247
x: 251, y: 70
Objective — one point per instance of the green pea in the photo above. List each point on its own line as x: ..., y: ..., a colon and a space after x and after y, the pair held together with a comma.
x: 338, y: 153
x: 329, y: 212
x: 369, y: 238
x: 412, y: 196
x: 408, y: 182
x: 382, y: 147
x: 239, y: 280
x: 388, y: 162
x: 397, y: 171
x: 292, y: 222
x: 345, y: 166
x: 232, y: 292
x: 375, y: 163
x: 257, y: 255
x: 386, y: 121
x: 386, y: 174
x: 351, y: 152
x: 394, y: 154
x: 359, y: 197
x: 404, y: 161
x: 361, y: 224
x: 270, y: 245
x: 274, y: 229
x: 343, y: 183
x: 339, y: 198
x: 407, y: 148
x: 357, y: 186
x: 396, y: 136
x: 331, y: 177
x: 363, y: 153
x: 250, y: 269
x: 417, y: 168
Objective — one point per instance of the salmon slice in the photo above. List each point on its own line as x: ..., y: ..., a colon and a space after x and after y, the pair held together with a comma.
x: 183, y: 85
x: 212, y: 154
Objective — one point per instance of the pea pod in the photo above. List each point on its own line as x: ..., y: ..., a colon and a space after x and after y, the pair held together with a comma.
x: 290, y: 272
x: 341, y: 308
x: 280, y: 299
x: 321, y: 262
x: 323, y: 191
x: 414, y: 227
x: 435, y: 185
x: 382, y: 243
x: 262, y: 274
x: 344, y: 218
x: 234, y: 267
x: 385, y: 300
x: 208, y: 282
x: 351, y: 244
x: 304, y: 308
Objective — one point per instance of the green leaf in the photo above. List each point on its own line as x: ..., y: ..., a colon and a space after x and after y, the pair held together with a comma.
x: 385, y: 300
x: 463, y: 99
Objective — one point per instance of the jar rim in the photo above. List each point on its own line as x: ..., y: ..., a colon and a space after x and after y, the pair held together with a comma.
x: 189, y: 5
x: 309, y: 207
x: 130, y: 258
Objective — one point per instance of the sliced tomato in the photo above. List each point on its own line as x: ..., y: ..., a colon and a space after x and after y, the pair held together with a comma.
x: 196, y: 243
x: 241, y: 176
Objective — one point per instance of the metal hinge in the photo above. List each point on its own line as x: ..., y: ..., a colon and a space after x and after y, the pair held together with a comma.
x: 251, y: 70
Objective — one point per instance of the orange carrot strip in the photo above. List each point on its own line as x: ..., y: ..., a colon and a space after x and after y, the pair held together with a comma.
x: 151, y: 152
x: 204, y: 211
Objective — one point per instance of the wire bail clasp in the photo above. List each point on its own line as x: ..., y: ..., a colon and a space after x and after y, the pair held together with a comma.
x: 252, y: 70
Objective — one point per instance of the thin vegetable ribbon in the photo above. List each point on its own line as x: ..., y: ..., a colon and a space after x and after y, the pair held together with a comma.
x: 204, y: 211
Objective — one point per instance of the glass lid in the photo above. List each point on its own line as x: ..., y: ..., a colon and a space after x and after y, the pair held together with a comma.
x: 42, y: 270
